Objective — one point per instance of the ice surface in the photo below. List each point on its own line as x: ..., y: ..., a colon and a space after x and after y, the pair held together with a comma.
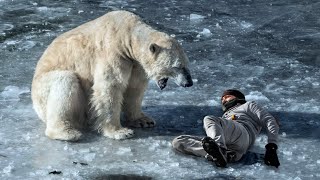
x: 196, y: 17
x: 267, y: 49
x: 13, y: 92
x: 256, y: 96
x: 7, y: 170
x: 205, y: 33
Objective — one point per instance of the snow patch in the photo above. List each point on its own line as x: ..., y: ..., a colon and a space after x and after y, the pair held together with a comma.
x: 124, y: 151
x: 213, y: 103
x: 13, y: 92
x: 245, y: 24
x: 89, y: 157
x: 8, y: 169
x: 256, y: 96
x: 27, y: 45
x: 205, y: 33
x: 43, y: 8
x: 196, y: 17
x: 6, y: 27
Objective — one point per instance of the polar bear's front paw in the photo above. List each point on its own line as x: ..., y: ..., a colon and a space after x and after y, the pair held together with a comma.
x: 123, y: 133
x: 144, y: 122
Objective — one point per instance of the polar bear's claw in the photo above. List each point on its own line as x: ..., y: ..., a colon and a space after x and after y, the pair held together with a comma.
x: 123, y: 133
x: 144, y: 122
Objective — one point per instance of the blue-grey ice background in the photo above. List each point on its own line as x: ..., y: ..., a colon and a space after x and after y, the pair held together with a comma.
x: 269, y: 49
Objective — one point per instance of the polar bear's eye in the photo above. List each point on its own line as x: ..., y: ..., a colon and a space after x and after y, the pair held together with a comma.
x: 154, y: 48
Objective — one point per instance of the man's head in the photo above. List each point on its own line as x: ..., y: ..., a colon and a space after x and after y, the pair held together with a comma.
x: 231, y: 97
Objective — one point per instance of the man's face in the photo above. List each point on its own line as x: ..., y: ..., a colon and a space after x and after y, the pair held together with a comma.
x: 227, y: 98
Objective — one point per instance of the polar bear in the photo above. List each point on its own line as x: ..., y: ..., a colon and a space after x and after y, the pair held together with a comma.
x: 90, y: 74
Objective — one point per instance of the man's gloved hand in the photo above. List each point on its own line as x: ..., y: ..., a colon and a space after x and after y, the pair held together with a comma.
x: 271, y: 157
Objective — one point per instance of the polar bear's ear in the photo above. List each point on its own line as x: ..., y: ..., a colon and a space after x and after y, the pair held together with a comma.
x: 154, y: 48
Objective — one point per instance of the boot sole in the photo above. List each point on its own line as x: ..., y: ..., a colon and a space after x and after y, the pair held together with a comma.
x: 213, y: 149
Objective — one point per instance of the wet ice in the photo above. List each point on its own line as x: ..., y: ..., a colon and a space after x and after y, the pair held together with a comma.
x: 13, y: 92
x: 267, y: 50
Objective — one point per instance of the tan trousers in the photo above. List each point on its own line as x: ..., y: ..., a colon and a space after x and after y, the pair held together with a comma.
x: 229, y: 134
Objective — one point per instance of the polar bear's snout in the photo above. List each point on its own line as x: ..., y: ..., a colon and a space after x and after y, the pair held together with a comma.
x: 183, y: 78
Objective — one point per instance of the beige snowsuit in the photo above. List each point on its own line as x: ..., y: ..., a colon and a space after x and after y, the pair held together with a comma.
x: 235, y: 131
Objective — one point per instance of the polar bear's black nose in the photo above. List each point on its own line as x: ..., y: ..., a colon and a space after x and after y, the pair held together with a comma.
x: 184, y: 78
x: 189, y: 82
x: 188, y: 78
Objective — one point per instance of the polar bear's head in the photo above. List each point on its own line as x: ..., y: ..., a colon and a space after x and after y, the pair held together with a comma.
x: 164, y: 58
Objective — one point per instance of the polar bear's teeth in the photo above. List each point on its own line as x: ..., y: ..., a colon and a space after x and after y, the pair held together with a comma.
x: 162, y: 83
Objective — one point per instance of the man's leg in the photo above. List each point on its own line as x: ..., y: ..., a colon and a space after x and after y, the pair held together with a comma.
x: 189, y: 145
x: 228, y: 134
x: 237, y: 139
x: 215, y: 127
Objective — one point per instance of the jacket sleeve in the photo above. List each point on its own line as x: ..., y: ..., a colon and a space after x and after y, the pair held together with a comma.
x: 266, y: 120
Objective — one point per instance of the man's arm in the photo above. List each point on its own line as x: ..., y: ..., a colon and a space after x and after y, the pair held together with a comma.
x: 267, y: 121
x: 272, y: 127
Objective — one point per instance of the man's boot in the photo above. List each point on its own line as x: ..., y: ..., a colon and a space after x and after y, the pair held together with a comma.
x: 214, y: 150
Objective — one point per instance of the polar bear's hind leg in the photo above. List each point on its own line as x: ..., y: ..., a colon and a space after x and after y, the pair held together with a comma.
x: 65, y: 108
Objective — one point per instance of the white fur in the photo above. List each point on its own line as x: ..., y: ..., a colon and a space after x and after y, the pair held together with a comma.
x: 98, y: 70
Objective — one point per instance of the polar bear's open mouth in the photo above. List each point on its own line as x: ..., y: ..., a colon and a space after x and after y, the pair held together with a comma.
x: 162, y: 83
